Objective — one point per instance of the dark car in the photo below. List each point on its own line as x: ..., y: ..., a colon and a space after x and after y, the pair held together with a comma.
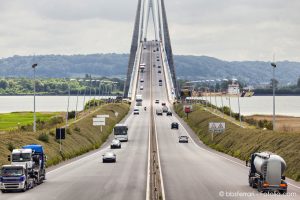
x: 159, y: 71
x: 174, y: 125
x: 156, y: 101
x: 163, y: 103
x: 183, y: 139
x: 169, y: 113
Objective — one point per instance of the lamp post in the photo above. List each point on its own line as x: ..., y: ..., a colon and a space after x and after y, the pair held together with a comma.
x: 226, y: 80
x: 79, y: 91
x: 34, y: 114
x: 273, y: 64
x: 84, y: 95
x: 238, y: 94
x: 68, y: 105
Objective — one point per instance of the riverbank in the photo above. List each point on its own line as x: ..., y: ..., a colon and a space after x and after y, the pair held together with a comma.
x: 283, y: 123
x: 241, y: 142
x: 81, y: 136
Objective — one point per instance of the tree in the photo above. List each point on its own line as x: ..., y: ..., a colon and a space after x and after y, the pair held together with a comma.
x: 275, y: 82
x: 3, y: 84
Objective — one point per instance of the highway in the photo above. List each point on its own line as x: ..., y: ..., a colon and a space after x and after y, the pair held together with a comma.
x: 189, y: 171
x: 193, y: 171
x: 89, y: 178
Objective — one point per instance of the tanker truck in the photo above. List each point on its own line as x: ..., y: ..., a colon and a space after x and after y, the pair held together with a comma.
x: 266, y: 172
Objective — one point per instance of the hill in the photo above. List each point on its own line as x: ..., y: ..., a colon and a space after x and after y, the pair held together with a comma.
x: 114, y: 65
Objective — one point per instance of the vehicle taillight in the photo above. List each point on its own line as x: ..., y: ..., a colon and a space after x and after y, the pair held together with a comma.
x: 266, y: 184
x: 283, y: 185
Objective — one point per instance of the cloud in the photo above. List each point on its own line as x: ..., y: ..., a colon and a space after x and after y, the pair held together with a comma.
x: 230, y: 30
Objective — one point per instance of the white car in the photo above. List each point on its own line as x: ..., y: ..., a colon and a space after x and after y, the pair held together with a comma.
x: 115, y: 144
x: 142, y: 80
x: 136, y: 111
x: 142, y: 87
x: 109, y: 157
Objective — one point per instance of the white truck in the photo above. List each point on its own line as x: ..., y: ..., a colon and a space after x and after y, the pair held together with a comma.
x: 266, y: 172
x: 27, y: 169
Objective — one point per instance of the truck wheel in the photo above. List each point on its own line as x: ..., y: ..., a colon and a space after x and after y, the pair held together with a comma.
x: 282, y: 191
x: 25, y: 187
x: 3, y: 191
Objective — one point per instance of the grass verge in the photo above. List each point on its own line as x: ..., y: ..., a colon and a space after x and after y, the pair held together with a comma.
x: 241, y: 142
x: 9, y: 121
x: 81, y: 136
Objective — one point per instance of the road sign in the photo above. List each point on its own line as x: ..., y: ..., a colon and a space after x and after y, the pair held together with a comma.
x: 102, y: 116
x: 217, y: 127
x: 99, y: 119
x: 99, y: 123
x: 116, y: 114
x: 60, y: 133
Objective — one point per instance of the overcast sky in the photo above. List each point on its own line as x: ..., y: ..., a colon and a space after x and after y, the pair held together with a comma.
x: 226, y: 29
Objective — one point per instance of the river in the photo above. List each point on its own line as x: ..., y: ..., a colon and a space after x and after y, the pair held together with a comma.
x: 43, y: 103
x: 285, y: 105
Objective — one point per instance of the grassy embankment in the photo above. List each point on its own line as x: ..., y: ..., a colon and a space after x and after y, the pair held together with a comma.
x: 9, y: 121
x: 241, y: 142
x: 81, y: 136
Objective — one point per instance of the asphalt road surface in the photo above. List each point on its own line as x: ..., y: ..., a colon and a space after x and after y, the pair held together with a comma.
x: 189, y: 171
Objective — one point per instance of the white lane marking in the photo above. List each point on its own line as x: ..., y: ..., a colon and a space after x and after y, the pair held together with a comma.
x: 148, y: 168
x: 219, y: 154
x: 158, y: 156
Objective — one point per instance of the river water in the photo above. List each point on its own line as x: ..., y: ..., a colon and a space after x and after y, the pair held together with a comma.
x: 285, y: 105
x: 43, y: 103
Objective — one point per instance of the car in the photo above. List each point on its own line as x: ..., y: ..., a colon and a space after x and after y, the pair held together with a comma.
x: 109, y: 157
x: 159, y: 72
x: 159, y: 112
x: 160, y: 84
x: 169, y: 113
x: 156, y: 101
x: 163, y: 103
x: 142, y: 87
x: 183, y: 139
x: 136, y: 111
x: 159, y: 66
x: 115, y: 144
x: 154, y: 50
x: 174, y: 125
x: 153, y: 65
x: 142, y: 80
x: 157, y: 60
x: 165, y: 109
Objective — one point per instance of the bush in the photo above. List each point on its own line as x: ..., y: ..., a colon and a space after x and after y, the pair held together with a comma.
x: 71, y: 115
x: 56, y: 120
x: 77, y: 129
x: 10, y: 147
x: 43, y: 137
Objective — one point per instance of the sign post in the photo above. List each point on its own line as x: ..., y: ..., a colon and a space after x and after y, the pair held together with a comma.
x: 216, y: 127
x: 187, y: 110
x: 60, y: 135
x: 100, y: 121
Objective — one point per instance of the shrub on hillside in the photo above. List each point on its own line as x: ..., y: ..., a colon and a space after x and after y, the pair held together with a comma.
x: 43, y: 137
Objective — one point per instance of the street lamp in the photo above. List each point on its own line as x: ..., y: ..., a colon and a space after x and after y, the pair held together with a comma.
x: 84, y: 95
x: 79, y: 91
x: 34, y: 114
x: 68, y: 105
x: 273, y: 64
x: 226, y: 80
x: 238, y: 93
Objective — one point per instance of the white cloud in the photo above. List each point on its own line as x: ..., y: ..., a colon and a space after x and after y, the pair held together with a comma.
x: 230, y: 30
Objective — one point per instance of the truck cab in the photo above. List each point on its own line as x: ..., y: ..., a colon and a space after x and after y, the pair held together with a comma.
x: 22, y: 157
x: 14, y: 177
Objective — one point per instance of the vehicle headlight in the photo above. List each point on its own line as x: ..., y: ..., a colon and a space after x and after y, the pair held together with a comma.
x: 22, y: 178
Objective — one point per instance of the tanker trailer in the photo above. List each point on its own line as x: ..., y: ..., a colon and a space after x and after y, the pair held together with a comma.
x: 266, y: 172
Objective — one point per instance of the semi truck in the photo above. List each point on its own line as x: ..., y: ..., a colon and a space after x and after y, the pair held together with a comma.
x: 27, y: 168
x: 266, y: 172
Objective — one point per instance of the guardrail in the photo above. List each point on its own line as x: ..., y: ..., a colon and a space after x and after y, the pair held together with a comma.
x: 134, y: 76
x: 167, y: 74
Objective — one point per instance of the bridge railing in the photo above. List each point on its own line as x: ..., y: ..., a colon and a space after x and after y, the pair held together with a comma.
x: 134, y: 76
x: 168, y: 76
